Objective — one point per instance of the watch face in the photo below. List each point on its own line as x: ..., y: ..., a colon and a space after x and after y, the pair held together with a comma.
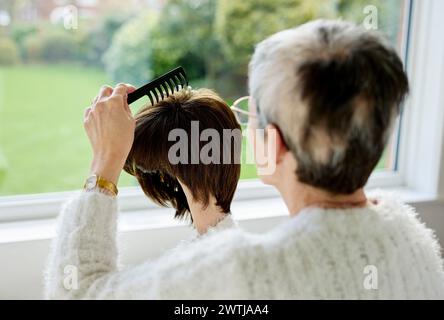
x: 91, y: 182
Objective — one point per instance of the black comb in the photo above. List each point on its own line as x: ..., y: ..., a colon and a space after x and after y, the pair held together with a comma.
x: 165, y: 85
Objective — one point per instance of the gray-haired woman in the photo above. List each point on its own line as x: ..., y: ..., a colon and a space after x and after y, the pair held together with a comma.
x: 327, y: 94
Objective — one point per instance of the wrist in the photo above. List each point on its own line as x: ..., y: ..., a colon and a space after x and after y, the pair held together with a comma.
x: 108, y: 168
x: 98, y: 183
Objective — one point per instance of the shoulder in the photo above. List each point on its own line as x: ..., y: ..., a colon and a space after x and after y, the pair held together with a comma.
x: 393, y: 212
x: 407, y: 227
x: 217, y: 244
x: 203, y: 268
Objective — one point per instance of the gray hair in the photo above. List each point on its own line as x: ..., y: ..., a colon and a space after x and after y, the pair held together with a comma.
x: 334, y: 90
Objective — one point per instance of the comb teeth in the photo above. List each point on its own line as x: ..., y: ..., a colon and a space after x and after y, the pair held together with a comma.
x: 161, y: 87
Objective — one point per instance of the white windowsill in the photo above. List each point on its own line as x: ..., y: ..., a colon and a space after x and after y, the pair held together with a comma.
x: 160, y: 218
x: 47, y: 205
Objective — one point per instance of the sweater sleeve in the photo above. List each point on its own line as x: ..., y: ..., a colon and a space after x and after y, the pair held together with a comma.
x: 83, y: 260
x: 84, y: 249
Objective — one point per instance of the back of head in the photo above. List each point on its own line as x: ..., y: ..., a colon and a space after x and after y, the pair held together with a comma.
x: 334, y: 90
x: 195, y: 117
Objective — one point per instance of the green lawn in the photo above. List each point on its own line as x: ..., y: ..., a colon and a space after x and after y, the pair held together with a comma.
x: 41, y: 130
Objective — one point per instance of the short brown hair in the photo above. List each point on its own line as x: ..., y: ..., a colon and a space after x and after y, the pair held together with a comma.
x: 149, y: 161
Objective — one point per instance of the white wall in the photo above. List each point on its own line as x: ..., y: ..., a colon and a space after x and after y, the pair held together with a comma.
x: 432, y: 214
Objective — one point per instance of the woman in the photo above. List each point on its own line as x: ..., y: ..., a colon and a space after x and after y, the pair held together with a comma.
x: 326, y: 94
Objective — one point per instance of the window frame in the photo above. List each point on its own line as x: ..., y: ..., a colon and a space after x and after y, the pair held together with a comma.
x: 416, y: 129
x: 423, y: 116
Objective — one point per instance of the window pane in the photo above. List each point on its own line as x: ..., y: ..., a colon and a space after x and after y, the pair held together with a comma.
x: 54, y: 55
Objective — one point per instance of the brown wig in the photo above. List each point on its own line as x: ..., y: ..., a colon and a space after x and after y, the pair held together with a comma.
x: 159, y: 177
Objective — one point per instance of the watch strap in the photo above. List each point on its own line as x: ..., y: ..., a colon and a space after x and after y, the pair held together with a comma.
x: 100, y: 183
x: 108, y: 185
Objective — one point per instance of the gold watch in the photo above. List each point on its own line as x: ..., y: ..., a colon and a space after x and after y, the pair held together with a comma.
x: 96, y: 181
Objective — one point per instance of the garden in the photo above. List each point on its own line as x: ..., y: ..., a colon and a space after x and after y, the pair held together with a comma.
x: 49, y: 74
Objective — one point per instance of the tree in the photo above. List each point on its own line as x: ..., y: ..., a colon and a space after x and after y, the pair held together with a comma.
x: 129, y: 57
x: 9, y: 53
x: 12, y: 7
x: 242, y: 24
x: 388, y: 14
x: 99, y: 38
x: 182, y: 34
x: 185, y: 35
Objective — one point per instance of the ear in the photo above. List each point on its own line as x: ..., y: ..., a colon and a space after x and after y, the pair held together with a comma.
x: 273, y: 133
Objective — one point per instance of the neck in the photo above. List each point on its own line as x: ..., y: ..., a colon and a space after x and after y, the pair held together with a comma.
x: 205, y: 217
x: 298, y: 196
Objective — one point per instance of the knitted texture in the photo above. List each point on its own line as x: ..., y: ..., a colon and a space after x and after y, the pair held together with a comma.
x: 317, y: 254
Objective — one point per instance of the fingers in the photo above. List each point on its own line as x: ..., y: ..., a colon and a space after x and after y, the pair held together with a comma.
x: 105, y: 91
x: 130, y: 89
x: 86, y: 116
x: 119, y: 94
x: 122, y: 90
x: 86, y: 112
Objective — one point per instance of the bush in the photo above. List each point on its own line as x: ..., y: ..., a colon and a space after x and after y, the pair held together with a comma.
x: 32, y: 48
x: 20, y: 33
x: 99, y: 38
x: 9, y: 53
x: 46, y: 42
x: 129, y: 57
x: 53, y: 46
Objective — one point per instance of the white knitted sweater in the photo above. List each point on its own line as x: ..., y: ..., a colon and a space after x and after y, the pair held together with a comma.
x: 381, y: 251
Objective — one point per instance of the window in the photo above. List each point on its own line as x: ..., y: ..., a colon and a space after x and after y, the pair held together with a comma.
x: 419, y: 148
x: 55, y: 54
